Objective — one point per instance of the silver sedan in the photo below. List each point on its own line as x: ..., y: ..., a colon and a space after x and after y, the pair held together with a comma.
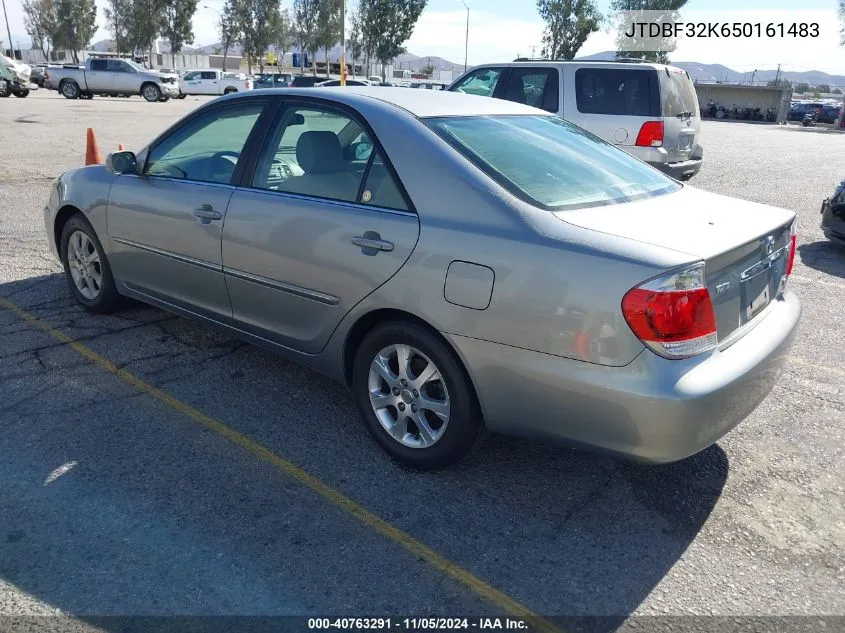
x: 464, y: 264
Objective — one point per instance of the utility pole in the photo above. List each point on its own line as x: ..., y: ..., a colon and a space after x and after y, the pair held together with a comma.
x: 777, y: 76
x: 752, y: 76
x: 343, y: 43
x: 9, y: 31
x: 533, y: 48
x: 466, y: 42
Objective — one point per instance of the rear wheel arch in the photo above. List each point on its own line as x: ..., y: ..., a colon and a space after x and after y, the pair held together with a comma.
x: 369, y: 321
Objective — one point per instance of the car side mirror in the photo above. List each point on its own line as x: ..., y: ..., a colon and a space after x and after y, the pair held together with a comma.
x: 361, y: 150
x: 122, y: 163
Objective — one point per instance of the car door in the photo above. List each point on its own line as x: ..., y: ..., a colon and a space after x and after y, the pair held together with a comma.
x: 537, y: 86
x: 124, y: 78
x: 322, y: 223
x: 191, y: 82
x: 165, y: 224
x: 97, y: 76
x: 209, y: 83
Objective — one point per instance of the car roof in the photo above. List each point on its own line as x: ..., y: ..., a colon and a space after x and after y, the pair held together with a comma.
x: 420, y: 103
x: 584, y: 63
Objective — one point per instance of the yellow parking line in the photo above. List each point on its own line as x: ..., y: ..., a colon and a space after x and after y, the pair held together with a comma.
x: 415, y: 547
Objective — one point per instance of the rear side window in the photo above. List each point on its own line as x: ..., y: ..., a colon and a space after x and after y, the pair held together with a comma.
x: 99, y: 64
x: 208, y: 75
x: 537, y: 87
x: 678, y: 95
x: 622, y: 91
x: 480, y: 82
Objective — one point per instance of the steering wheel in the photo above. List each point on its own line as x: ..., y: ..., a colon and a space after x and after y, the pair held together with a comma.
x: 221, y: 165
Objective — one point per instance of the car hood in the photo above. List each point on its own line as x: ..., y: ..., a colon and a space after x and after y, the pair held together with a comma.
x: 689, y: 220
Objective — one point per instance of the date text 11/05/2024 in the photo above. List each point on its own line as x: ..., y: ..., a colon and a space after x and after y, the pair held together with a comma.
x: 720, y: 29
x: 420, y: 624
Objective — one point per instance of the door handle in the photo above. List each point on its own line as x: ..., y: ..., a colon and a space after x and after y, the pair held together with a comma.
x: 206, y: 213
x: 371, y: 243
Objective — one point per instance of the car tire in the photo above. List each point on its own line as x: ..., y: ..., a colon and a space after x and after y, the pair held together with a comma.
x: 5, y: 88
x: 164, y: 99
x: 22, y: 93
x: 87, y: 96
x: 416, y: 435
x: 151, y: 93
x: 182, y: 96
x: 229, y: 91
x: 96, y: 292
x: 69, y: 89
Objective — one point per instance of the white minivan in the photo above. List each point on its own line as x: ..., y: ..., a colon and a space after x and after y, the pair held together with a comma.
x: 649, y: 110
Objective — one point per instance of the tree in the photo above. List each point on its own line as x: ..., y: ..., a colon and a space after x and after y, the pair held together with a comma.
x: 823, y: 88
x: 816, y: 94
x: 836, y: 91
x: 355, y: 41
x: 329, y: 27
x: 670, y: 9
x: 802, y: 88
x: 176, y: 25
x: 119, y: 23
x: 842, y: 21
x: 568, y: 24
x: 388, y: 24
x: 779, y: 82
x: 76, y: 22
x: 282, y: 36
x: 40, y: 22
x: 305, y: 13
x: 427, y: 70
x: 227, y: 28
x: 145, y: 23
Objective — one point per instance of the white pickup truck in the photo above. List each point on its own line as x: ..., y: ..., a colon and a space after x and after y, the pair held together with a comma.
x: 212, y: 82
x: 111, y: 77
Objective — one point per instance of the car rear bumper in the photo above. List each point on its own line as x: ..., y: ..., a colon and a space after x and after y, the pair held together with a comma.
x: 659, y: 158
x: 653, y: 410
x: 832, y: 226
x: 683, y: 170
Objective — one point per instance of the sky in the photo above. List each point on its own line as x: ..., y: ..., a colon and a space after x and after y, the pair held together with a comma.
x: 500, y: 30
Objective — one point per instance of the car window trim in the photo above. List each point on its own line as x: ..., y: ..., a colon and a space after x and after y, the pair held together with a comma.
x: 173, y: 129
x: 287, y: 101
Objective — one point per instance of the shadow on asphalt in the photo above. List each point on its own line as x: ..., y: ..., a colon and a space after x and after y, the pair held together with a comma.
x: 568, y: 534
x: 824, y: 256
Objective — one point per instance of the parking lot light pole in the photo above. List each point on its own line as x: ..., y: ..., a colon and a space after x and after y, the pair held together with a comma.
x: 466, y: 41
x: 8, y: 31
x: 343, y: 42
x: 205, y: 6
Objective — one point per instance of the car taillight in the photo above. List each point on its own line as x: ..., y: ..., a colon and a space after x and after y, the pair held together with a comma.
x: 793, y: 240
x: 651, y: 134
x: 673, y: 315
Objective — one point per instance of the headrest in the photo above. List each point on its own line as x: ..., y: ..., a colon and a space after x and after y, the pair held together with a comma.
x: 319, y: 153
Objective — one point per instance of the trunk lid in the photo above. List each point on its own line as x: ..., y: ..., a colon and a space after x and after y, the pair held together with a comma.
x: 744, y: 245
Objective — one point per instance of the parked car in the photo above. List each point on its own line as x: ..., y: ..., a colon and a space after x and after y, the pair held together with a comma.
x: 273, y: 80
x: 212, y: 82
x: 305, y: 81
x: 833, y: 215
x: 330, y: 83
x: 15, y: 78
x: 112, y: 77
x: 797, y: 110
x: 36, y: 75
x: 545, y: 287
x: 649, y: 110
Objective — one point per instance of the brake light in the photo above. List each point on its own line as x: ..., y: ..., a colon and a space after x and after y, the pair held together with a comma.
x: 673, y: 315
x: 651, y: 134
x: 793, y: 240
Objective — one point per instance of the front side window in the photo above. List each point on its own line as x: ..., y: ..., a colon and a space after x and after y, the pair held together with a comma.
x: 480, y: 82
x: 191, y: 76
x: 550, y: 162
x: 324, y: 153
x: 116, y: 66
x: 208, y: 75
x: 207, y: 148
x: 622, y: 91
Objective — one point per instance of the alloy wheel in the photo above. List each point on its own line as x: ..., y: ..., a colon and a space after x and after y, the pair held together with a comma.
x: 84, y: 264
x: 409, y: 396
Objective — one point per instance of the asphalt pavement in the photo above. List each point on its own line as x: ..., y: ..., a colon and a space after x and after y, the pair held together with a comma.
x: 158, y: 467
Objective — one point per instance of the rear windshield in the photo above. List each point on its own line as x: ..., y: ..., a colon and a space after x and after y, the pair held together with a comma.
x: 550, y: 162
x: 678, y: 95
x: 620, y: 91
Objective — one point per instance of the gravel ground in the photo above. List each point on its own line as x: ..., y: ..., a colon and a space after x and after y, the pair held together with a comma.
x: 112, y: 503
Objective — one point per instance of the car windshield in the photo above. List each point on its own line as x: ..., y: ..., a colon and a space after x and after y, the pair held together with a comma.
x: 135, y: 65
x: 550, y: 162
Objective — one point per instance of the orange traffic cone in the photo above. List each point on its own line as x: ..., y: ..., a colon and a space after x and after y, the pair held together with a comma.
x: 92, y: 152
x: 121, y: 147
